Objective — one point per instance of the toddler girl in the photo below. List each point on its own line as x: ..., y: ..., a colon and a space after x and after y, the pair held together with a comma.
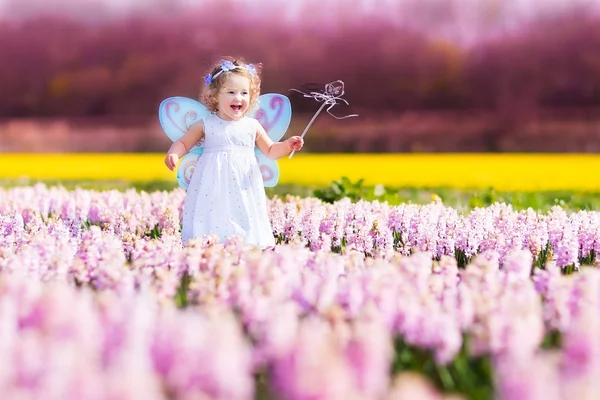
x: 226, y: 195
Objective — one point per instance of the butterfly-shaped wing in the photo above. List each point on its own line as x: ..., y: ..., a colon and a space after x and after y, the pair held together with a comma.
x: 274, y: 114
x: 187, y: 165
x: 176, y: 115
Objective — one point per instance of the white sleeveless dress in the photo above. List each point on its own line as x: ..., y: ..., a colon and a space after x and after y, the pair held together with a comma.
x: 226, y: 195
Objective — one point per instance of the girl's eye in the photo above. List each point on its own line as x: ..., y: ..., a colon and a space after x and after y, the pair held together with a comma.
x: 230, y: 92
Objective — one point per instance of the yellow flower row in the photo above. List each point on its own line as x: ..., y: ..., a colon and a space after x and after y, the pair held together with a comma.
x: 520, y: 172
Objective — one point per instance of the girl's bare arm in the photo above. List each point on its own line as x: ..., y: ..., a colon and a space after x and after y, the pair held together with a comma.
x: 181, y: 147
x: 276, y: 150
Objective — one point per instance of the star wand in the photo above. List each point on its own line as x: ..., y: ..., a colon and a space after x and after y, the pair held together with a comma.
x: 330, y: 96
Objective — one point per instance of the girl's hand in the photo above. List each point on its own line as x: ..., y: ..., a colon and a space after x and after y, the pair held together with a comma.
x: 295, y: 143
x: 171, y: 160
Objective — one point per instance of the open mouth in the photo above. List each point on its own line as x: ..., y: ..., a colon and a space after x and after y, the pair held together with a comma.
x: 236, y: 107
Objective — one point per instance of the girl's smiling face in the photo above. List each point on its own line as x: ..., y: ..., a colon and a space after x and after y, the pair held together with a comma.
x: 234, y: 97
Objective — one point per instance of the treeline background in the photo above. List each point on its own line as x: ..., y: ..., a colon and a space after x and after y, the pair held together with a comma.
x: 419, y: 81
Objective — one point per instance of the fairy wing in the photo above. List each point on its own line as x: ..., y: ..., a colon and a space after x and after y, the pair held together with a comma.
x: 274, y: 114
x: 176, y: 115
x: 187, y: 165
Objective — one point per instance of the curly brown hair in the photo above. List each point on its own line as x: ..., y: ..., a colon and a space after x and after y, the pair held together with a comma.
x: 210, y: 92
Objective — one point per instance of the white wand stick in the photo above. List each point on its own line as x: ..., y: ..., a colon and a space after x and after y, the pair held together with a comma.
x: 309, y: 124
x: 333, y: 92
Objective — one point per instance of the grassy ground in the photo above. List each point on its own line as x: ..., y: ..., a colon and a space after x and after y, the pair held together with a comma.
x: 460, y: 199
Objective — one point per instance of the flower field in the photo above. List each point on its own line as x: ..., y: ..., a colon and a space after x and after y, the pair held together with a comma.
x: 99, y: 300
x: 507, y: 172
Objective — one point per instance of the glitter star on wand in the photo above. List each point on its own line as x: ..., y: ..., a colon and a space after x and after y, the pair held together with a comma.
x: 330, y: 96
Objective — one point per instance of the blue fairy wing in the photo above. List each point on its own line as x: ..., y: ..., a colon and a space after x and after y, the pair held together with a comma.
x: 177, y: 114
x: 274, y: 114
x: 186, y: 167
x: 268, y: 169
